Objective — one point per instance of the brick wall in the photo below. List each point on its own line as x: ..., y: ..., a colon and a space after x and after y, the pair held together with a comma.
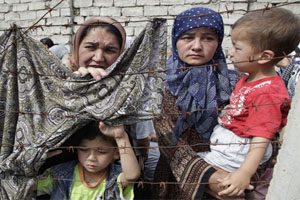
x: 134, y: 12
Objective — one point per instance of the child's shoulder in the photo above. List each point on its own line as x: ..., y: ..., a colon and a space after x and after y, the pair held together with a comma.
x: 272, y: 86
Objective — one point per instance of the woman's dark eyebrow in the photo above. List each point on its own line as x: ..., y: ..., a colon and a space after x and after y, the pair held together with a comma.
x: 97, y: 43
x: 187, y: 34
x: 209, y: 33
x: 112, y: 46
x: 91, y: 43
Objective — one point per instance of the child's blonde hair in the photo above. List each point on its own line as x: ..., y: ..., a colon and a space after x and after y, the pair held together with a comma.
x: 275, y: 29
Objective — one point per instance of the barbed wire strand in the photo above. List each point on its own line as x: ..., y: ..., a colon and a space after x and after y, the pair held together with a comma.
x: 267, y: 7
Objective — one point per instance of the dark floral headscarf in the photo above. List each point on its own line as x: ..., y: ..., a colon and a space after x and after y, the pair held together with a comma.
x: 199, y: 90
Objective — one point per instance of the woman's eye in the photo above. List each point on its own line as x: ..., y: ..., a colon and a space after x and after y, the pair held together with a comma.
x: 209, y: 38
x: 90, y: 47
x: 187, y: 38
x: 111, y: 50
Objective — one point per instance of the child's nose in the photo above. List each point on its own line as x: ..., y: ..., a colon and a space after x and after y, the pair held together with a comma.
x: 92, y: 154
x: 230, y: 53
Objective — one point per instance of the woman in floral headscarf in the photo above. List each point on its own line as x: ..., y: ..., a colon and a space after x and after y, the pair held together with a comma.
x: 97, y: 44
x: 198, y: 83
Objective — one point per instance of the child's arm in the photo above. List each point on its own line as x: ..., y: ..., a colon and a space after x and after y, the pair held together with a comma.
x: 129, y: 163
x: 236, y: 182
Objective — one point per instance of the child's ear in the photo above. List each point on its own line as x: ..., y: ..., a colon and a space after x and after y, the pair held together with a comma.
x: 266, y: 56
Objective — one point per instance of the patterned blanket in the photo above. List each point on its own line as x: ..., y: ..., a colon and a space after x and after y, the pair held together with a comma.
x: 42, y: 103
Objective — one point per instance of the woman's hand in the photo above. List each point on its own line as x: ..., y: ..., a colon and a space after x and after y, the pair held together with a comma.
x: 96, y: 73
x: 213, y: 180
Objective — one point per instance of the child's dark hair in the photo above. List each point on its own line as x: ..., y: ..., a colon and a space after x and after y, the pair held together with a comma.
x: 91, y: 131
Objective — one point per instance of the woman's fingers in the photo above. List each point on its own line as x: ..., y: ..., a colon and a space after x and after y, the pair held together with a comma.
x: 214, y: 180
x: 240, y: 193
x: 250, y: 187
x: 82, y: 71
x: 97, y: 73
x: 235, y: 192
x: 227, y: 191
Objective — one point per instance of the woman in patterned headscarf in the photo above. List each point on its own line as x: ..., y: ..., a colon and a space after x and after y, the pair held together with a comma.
x: 97, y: 44
x: 198, y: 82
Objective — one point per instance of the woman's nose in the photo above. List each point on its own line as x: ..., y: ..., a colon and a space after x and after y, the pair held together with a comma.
x: 197, y: 44
x: 99, y: 55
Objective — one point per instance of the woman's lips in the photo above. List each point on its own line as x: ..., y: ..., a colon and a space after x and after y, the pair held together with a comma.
x: 195, y: 56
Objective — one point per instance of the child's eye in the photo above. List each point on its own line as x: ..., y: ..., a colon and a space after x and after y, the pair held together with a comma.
x: 83, y: 149
x: 101, y: 151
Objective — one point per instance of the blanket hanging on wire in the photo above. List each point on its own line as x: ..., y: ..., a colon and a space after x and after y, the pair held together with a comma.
x: 42, y: 103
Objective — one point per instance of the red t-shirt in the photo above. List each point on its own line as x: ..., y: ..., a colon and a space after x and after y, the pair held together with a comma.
x: 257, y: 109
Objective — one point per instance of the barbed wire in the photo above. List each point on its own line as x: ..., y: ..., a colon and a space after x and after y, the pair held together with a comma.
x: 268, y: 6
x: 72, y: 148
x: 155, y: 114
x: 140, y: 183
x: 151, y: 71
x: 251, y: 59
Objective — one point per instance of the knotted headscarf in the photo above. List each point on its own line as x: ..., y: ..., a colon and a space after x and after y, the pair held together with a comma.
x: 199, y: 90
x: 91, y: 22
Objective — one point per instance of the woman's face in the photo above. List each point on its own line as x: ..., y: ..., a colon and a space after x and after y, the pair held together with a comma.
x: 98, y: 49
x: 197, y: 46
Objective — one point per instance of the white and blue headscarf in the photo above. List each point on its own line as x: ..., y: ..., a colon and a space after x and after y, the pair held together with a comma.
x: 199, y: 90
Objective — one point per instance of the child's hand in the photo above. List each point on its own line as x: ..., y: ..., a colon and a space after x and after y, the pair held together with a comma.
x: 235, y: 184
x: 112, y: 131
